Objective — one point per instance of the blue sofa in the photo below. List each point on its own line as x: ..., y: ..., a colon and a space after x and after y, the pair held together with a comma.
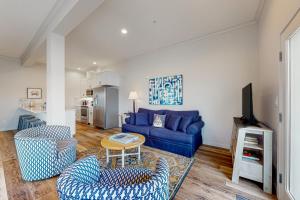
x: 184, y: 142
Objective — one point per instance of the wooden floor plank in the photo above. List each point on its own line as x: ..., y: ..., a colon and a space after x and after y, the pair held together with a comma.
x: 3, y: 191
x: 208, y: 179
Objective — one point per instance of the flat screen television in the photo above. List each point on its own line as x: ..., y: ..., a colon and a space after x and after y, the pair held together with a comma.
x: 248, y: 116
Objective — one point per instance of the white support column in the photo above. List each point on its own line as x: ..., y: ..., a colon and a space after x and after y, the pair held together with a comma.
x: 56, y: 79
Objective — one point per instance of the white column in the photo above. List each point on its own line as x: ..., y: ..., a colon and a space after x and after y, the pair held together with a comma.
x: 56, y: 79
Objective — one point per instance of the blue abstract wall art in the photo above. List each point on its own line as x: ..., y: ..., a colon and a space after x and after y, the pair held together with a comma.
x: 166, y: 90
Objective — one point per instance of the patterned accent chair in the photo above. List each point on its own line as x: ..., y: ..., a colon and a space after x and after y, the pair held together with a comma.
x: 44, y: 151
x: 85, y: 180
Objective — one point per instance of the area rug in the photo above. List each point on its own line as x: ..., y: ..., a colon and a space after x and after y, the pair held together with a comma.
x: 239, y: 197
x: 179, y: 165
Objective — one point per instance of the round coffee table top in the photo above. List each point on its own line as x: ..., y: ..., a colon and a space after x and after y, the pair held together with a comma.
x: 112, y: 145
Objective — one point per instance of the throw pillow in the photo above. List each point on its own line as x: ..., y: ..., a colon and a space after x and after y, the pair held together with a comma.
x: 185, y: 122
x: 141, y: 119
x: 159, y: 121
x: 173, y: 122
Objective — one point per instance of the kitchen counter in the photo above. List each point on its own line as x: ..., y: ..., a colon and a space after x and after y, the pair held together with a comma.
x: 34, y: 110
x: 41, y: 113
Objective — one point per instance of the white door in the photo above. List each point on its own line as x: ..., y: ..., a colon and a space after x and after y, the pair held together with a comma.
x: 289, y: 137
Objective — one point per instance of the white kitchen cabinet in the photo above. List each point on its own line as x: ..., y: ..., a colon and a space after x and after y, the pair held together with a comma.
x: 92, y: 83
x: 84, y: 85
x: 107, y: 78
x: 91, y: 116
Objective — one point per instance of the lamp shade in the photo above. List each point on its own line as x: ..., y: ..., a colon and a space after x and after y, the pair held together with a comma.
x: 133, y: 95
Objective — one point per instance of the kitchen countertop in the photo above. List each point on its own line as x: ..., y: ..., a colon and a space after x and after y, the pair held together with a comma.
x: 35, y: 110
x: 39, y: 109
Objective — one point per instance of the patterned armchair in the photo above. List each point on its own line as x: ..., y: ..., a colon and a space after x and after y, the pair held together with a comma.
x: 44, y: 151
x: 85, y: 180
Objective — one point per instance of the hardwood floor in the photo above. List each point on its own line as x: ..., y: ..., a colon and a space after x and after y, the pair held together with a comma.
x: 209, y: 177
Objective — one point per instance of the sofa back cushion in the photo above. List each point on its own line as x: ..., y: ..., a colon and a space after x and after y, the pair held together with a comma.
x: 150, y: 114
x: 141, y: 119
x: 184, y: 123
x: 159, y: 121
x: 188, y: 113
x: 173, y: 122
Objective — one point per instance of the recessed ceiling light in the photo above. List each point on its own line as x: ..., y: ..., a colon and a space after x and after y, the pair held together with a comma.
x: 78, y: 68
x: 124, y: 31
x: 94, y: 63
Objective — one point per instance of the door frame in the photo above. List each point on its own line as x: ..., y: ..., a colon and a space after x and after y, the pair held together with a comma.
x: 283, y: 149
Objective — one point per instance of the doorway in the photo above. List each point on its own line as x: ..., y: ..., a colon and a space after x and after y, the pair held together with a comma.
x: 289, y: 139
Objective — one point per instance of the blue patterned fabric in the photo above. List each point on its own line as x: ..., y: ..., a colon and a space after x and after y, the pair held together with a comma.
x: 41, y: 153
x: 36, y: 123
x: 85, y: 180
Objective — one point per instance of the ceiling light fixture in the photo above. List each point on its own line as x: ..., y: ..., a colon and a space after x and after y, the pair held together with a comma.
x: 78, y: 68
x: 94, y: 63
x: 124, y: 31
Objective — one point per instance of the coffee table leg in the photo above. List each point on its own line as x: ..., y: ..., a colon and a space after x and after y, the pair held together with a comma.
x: 123, y: 157
x: 139, y: 152
x: 107, y: 156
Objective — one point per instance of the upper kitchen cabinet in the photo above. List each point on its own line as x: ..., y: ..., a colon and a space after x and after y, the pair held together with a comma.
x: 106, y: 78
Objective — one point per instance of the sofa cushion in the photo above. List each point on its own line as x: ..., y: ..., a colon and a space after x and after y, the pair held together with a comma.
x: 141, y: 119
x: 188, y: 113
x: 173, y: 122
x: 151, y: 113
x: 144, y: 130
x: 184, y: 123
x: 175, y: 136
x: 159, y: 121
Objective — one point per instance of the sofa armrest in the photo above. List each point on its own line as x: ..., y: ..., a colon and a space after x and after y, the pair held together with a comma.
x: 127, y: 120
x: 195, y: 127
x: 130, y: 119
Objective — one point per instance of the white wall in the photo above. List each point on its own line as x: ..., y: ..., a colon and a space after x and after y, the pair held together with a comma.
x: 14, y: 81
x: 214, y: 71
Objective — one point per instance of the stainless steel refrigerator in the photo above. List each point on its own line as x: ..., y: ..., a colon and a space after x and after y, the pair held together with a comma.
x: 106, y: 107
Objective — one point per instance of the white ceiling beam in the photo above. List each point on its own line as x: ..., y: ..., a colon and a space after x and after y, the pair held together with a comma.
x: 63, y: 18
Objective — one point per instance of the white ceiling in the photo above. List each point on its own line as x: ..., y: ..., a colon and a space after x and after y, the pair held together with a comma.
x: 98, y: 38
x: 19, y: 20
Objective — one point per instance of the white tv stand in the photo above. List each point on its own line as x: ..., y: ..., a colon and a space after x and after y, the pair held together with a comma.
x: 260, y: 171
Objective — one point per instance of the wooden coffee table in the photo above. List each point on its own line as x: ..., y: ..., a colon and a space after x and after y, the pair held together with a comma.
x: 112, y: 145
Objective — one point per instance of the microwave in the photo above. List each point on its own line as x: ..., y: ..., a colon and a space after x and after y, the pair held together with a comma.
x: 89, y: 93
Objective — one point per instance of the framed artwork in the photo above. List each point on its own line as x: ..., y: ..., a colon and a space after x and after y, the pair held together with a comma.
x: 166, y: 90
x: 34, y: 93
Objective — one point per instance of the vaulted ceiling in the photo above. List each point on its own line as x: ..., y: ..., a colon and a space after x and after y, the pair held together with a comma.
x: 151, y: 24
x: 19, y: 21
